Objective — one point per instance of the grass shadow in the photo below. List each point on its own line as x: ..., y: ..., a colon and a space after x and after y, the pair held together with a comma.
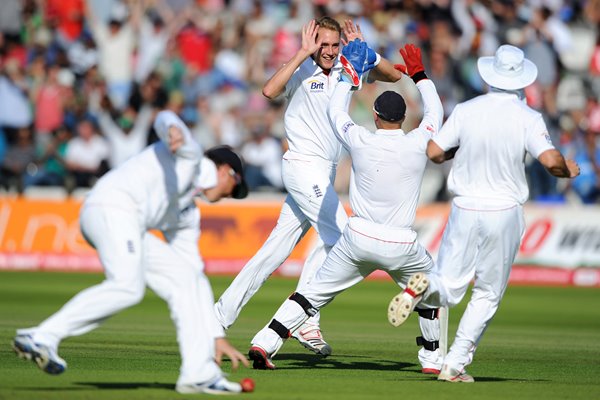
x: 296, y: 361
x: 128, y: 385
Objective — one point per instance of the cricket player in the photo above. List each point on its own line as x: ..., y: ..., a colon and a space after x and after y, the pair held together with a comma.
x: 492, y: 132
x: 309, y: 167
x: 388, y: 167
x: 153, y: 190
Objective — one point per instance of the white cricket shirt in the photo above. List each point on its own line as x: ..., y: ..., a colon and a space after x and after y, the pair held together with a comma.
x: 307, y: 127
x: 387, y: 165
x: 157, y: 184
x: 493, y: 131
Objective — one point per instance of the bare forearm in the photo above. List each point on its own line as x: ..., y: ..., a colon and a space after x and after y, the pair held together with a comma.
x: 276, y: 85
x: 385, y: 72
x: 555, y: 163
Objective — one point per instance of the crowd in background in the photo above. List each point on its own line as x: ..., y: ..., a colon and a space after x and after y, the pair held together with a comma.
x: 80, y: 80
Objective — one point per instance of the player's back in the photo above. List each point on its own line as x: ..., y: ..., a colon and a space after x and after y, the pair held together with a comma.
x: 492, y: 131
x: 153, y: 183
x: 388, y: 167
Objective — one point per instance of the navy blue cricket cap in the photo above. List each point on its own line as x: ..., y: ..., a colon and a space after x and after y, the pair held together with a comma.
x: 225, y: 155
x: 390, y: 106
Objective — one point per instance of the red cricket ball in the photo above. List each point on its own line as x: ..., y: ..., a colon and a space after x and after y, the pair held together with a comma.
x: 247, y: 385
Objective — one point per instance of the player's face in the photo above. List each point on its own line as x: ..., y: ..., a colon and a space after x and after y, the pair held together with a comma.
x: 330, y: 48
x: 227, y: 179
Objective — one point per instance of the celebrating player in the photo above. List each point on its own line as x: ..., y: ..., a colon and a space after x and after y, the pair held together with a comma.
x: 309, y: 167
x: 492, y: 133
x: 388, y: 167
x: 153, y: 190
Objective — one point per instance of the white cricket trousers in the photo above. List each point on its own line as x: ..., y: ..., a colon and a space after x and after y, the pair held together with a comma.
x: 131, y: 257
x: 481, y: 244
x: 311, y: 201
x: 364, y: 247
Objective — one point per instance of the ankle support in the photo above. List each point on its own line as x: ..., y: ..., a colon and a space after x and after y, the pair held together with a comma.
x: 428, y: 313
x: 279, y: 329
x: 431, y: 346
x: 305, y: 304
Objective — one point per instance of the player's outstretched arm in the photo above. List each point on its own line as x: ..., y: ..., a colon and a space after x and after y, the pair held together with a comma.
x: 433, y: 114
x: 385, y: 72
x: 310, y: 44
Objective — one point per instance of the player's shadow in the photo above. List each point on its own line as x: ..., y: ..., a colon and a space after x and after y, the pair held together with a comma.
x: 128, y: 385
x: 104, y: 386
x: 486, y: 379
x: 297, y: 361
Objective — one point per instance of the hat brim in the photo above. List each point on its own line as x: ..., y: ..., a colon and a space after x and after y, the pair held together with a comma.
x: 485, y: 66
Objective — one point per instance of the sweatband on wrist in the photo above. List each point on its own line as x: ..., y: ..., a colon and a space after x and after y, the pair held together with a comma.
x: 418, y: 76
x: 377, y: 59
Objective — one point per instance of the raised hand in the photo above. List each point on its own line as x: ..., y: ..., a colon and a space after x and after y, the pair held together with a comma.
x: 310, y: 43
x: 351, y: 32
x: 412, y: 58
x: 353, y: 59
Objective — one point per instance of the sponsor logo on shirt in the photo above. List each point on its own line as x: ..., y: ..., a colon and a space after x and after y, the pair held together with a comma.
x: 316, y: 86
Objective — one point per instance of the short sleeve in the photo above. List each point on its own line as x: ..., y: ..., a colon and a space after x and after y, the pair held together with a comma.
x: 448, y: 136
x: 537, y: 138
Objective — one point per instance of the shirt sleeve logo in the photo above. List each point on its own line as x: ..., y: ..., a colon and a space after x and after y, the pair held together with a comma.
x: 347, y: 126
x: 547, y: 137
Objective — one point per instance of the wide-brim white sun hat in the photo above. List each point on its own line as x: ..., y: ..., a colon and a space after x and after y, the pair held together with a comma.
x: 508, y: 69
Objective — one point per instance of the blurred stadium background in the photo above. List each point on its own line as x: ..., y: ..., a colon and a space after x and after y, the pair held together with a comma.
x: 80, y: 81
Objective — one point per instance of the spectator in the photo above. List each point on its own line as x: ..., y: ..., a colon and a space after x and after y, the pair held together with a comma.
x: 14, y: 106
x: 50, y: 101
x: 154, y: 33
x: 86, y: 155
x: 67, y: 16
x: 262, y: 154
x: 51, y: 169
x: 83, y: 54
x: 127, y: 134
x: 18, y: 158
x: 116, y: 43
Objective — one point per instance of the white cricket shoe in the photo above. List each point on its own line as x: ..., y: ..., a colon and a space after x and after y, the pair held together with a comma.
x: 218, y: 386
x: 45, y: 357
x: 404, y: 303
x: 310, y: 336
x: 261, y: 359
x: 450, y: 374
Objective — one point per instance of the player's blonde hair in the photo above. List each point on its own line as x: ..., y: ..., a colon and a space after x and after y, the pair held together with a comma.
x: 329, y: 23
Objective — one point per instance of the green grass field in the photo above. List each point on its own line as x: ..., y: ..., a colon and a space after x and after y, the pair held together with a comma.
x: 544, y: 343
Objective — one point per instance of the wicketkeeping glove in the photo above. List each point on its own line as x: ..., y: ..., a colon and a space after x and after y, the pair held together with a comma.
x: 414, y: 65
x: 353, y: 59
